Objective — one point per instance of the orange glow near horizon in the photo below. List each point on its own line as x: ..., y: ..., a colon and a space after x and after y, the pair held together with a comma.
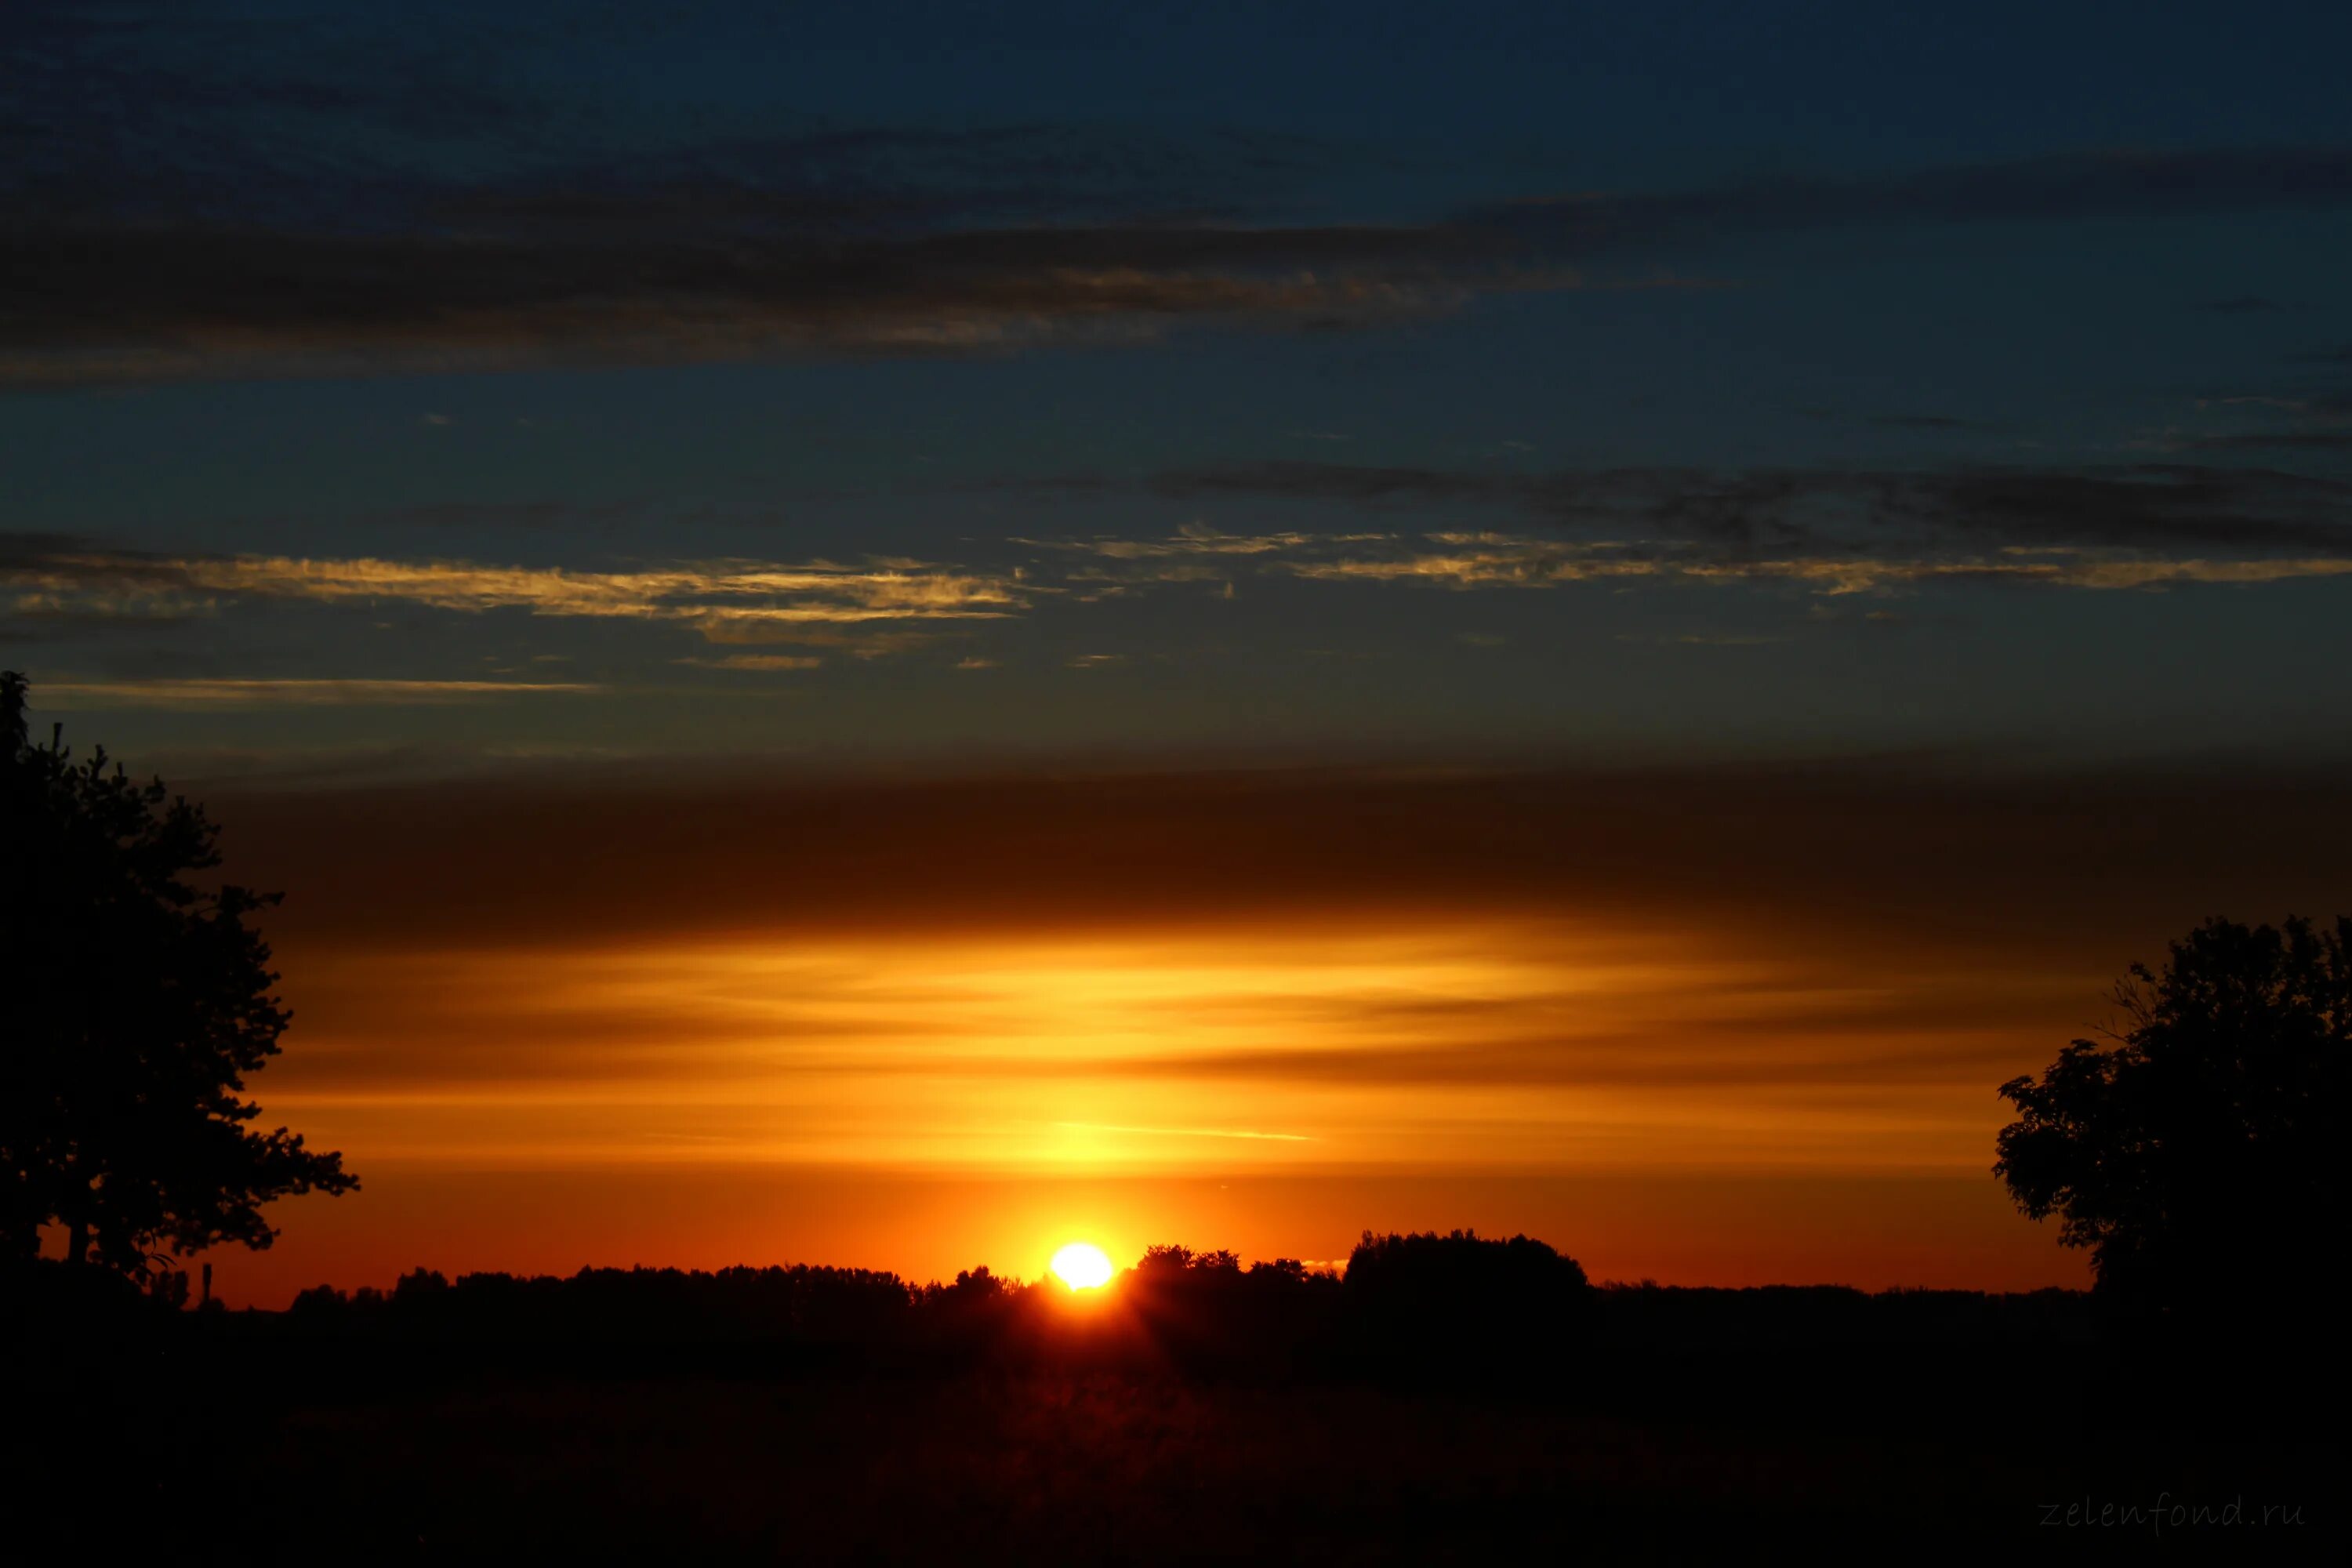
x: 1486, y: 1046
x: 1421, y: 1050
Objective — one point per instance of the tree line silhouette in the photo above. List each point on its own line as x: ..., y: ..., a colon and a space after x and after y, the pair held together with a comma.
x: 1453, y: 1308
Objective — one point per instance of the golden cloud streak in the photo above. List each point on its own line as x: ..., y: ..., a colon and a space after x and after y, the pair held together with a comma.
x: 231, y: 693
x: 1198, y: 539
x: 701, y: 594
x: 1487, y: 1042
x: 1189, y: 1131
x: 1485, y: 558
x: 1531, y: 563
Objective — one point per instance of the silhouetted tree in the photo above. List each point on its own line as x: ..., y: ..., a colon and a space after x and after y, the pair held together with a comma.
x: 2197, y: 1154
x: 138, y: 1000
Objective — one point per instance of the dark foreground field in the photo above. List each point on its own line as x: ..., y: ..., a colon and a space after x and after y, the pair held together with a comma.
x: 1117, y: 1468
x: 1835, y: 1453
x: 1452, y: 1399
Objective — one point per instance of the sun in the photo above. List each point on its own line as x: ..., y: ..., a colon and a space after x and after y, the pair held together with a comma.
x: 1082, y: 1266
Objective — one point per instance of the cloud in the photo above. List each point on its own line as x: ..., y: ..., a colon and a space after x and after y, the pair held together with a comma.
x: 1837, y: 841
x: 868, y: 640
x: 1668, y: 927
x: 1820, y: 510
x: 1189, y: 1131
x: 1507, y: 563
x: 193, y: 306
x: 726, y: 601
x: 1832, y: 530
x: 2063, y: 186
x: 1193, y: 541
x: 767, y: 661
x: 2316, y: 419
x: 1622, y: 1061
x: 805, y: 247
x: 207, y: 693
x: 2296, y: 440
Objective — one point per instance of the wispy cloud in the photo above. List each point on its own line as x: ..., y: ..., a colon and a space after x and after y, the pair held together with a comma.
x: 1189, y: 1131
x: 1678, y: 954
x: 804, y: 248
x: 1499, y: 561
x: 2137, y: 506
x: 199, y: 693
x: 764, y: 661
x: 2239, y: 305
x: 1191, y: 542
x: 1831, y: 530
x: 726, y: 601
x: 2306, y: 419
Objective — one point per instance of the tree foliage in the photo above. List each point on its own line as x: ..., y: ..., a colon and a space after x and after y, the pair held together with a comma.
x: 139, y: 998
x: 2196, y: 1150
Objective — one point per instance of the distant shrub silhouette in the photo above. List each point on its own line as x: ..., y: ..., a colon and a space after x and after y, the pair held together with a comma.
x: 2195, y: 1153
x: 139, y: 1000
x: 1426, y: 1263
x: 1465, y: 1300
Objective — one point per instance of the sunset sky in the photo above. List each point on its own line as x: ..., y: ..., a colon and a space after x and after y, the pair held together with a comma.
x: 898, y: 635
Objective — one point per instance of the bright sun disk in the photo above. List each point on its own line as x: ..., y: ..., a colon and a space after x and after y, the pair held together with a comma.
x: 1082, y: 1266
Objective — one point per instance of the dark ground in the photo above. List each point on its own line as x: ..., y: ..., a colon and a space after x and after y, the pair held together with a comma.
x: 1203, y: 1414
x: 1112, y: 1469
x: 1836, y: 1455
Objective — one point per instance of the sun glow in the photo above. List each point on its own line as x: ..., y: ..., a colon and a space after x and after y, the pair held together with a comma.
x: 1082, y: 1266
x: 1497, y: 1044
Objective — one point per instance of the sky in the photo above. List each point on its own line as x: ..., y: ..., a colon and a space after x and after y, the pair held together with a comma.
x: 890, y: 635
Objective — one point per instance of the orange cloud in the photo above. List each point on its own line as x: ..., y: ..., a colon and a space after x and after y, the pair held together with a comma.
x: 1490, y: 1044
